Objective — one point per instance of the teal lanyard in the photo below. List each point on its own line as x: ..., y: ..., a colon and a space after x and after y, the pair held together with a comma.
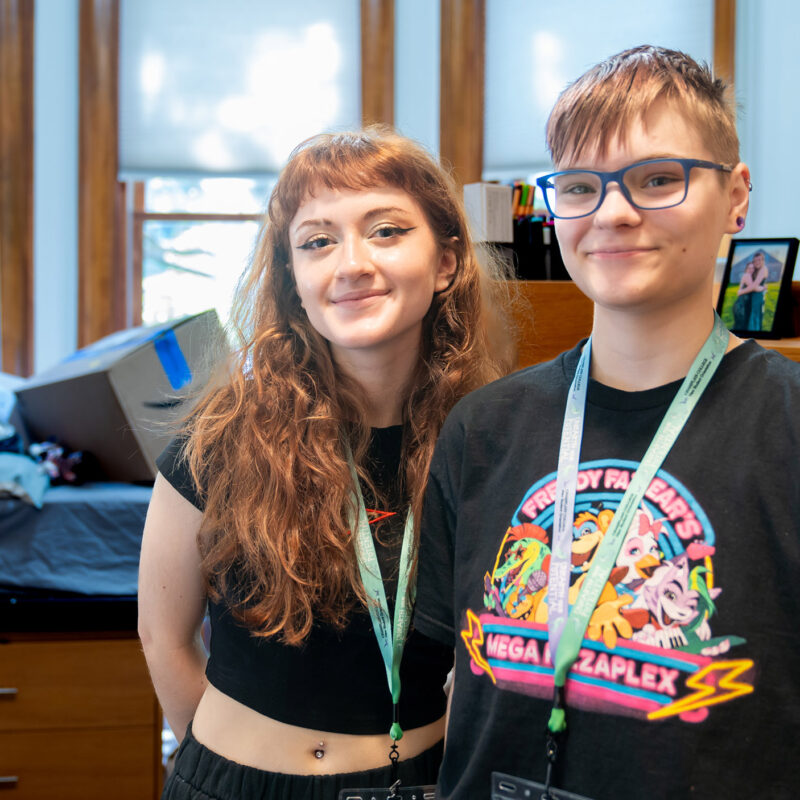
x: 567, y: 626
x: 391, y: 638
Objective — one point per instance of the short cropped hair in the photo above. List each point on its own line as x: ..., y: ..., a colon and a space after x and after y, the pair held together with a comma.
x: 603, y: 103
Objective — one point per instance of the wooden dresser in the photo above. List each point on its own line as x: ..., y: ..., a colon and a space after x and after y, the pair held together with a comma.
x: 553, y: 316
x: 78, y: 714
x: 78, y: 718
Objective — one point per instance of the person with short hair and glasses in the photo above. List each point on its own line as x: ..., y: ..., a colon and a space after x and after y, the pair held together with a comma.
x: 619, y: 581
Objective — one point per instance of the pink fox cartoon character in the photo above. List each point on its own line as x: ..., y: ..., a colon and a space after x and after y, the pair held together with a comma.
x: 673, y: 607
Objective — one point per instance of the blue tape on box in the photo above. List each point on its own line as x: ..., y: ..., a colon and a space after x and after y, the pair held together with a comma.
x: 172, y: 359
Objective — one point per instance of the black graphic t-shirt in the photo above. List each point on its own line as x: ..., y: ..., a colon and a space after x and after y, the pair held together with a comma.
x: 688, y: 680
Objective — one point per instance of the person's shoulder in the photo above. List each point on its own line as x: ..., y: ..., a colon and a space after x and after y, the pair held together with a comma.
x: 773, y: 364
x: 173, y: 465
x: 760, y: 377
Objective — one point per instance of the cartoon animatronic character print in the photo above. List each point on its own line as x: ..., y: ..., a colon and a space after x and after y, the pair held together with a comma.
x: 677, y: 614
x: 523, y: 573
x: 660, y: 596
x: 639, y: 553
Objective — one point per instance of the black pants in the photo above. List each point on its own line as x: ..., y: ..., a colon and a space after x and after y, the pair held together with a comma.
x: 201, y: 774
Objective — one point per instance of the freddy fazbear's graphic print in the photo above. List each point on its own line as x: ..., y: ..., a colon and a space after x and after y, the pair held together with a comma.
x: 651, y: 649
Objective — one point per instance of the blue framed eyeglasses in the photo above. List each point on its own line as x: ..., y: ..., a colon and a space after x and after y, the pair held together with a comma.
x: 649, y: 185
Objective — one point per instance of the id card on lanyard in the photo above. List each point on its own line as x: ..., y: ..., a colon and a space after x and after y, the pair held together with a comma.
x: 391, y: 637
x: 567, y: 625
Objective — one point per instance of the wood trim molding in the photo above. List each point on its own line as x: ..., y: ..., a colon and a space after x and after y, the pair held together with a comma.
x: 188, y: 216
x: 463, y: 44
x: 137, y: 249
x: 101, y: 270
x: 725, y: 40
x: 377, y: 61
x: 16, y: 186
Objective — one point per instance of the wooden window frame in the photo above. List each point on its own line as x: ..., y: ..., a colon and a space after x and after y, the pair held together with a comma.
x: 461, y: 87
x: 725, y: 40
x: 16, y: 185
x: 102, y: 276
x: 110, y: 284
x: 377, y: 61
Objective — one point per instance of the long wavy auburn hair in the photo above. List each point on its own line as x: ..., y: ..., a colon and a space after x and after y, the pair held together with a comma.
x: 267, y: 439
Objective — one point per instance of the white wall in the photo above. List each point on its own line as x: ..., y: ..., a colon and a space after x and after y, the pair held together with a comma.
x: 55, y: 183
x: 416, y: 77
x: 767, y: 89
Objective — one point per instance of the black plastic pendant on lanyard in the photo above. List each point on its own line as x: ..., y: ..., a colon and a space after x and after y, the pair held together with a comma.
x: 567, y: 625
x: 508, y: 787
x: 391, y: 638
x: 394, y: 792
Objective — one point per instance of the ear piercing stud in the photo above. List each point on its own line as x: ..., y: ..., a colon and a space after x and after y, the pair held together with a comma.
x: 740, y: 222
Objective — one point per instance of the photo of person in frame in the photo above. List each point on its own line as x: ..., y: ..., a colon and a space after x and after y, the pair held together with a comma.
x: 753, y: 285
x: 749, y: 306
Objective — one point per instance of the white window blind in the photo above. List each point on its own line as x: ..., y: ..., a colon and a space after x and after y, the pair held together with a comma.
x: 533, y: 50
x: 209, y: 87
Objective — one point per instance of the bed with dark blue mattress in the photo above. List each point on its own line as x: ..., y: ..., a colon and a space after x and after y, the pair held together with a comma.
x: 73, y: 564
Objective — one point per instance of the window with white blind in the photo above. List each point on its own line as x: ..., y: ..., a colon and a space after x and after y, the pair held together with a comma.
x: 534, y: 50
x: 230, y: 88
x: 213, y: 97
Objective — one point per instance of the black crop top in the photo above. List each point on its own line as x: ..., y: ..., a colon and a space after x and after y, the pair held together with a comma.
x: 336, y: 680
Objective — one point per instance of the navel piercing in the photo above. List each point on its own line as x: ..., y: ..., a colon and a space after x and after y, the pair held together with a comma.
x: 740, y: 222
x: 319, y: 753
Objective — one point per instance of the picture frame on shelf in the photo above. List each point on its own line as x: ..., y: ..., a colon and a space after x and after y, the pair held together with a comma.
x: 755, y: 296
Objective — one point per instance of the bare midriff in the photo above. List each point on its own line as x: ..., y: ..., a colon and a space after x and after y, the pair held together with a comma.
x: 241, y: 734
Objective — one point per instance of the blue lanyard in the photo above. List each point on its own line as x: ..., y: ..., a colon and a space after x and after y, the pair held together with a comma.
x: 391, y: 638
x: 566, y: 627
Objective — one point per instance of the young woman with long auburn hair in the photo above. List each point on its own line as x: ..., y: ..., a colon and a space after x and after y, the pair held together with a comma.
x: 363, y: 318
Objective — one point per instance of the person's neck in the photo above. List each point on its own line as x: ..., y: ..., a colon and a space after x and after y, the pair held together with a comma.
x: 384, y: 378
x: 634, y: 351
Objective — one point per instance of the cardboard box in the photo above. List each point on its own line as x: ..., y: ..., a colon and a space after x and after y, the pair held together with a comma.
x: 119, y: 398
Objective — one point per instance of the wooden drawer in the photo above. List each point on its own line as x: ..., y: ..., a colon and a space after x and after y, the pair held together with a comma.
x: 90, y: 764
x: 74, y: 684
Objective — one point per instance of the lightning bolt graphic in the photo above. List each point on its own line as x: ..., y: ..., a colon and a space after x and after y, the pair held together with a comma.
x: 727, y: 688
x: 473, y: 639
x: 500, y: 551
